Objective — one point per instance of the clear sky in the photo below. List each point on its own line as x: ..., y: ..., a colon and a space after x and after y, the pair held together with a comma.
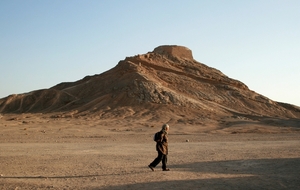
x: 46, y: 42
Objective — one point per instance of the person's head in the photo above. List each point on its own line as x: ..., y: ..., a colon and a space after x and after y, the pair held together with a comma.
x: 165, y: 128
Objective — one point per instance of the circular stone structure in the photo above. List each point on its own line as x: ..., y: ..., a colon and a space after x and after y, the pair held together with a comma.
x: 175, y: 51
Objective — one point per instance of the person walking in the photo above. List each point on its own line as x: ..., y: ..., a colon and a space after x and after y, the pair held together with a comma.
x: 161, y: 148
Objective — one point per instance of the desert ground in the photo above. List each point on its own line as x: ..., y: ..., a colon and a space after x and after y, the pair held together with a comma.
x: 39, y: 152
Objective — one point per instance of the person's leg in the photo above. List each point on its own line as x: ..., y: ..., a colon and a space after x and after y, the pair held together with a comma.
x: 164, y: 162
x: 157, y: 160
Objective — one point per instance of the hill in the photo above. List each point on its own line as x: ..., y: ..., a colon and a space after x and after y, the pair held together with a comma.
x: 165, y: 85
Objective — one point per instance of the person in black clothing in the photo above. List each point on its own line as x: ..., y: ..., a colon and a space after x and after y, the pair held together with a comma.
x: 162, y: 149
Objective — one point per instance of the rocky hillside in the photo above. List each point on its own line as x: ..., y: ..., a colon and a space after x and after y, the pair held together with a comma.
x: 162, y: 84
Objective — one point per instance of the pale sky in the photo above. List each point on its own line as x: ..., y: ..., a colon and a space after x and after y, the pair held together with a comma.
x: 46, y: 42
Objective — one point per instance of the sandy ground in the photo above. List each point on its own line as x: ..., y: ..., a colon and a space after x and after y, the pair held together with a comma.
x: 66, y: 154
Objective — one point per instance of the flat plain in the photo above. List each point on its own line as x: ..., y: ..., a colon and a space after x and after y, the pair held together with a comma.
x: 39, y: 153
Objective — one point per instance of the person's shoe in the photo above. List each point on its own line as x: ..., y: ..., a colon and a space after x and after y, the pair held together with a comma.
x: 167, y: 169
x: 151, y: 168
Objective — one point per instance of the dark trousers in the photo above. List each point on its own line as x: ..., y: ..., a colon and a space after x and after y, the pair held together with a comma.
x: 160, y: 157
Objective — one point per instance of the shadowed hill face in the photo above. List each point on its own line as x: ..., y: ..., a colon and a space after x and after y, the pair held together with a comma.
x: 165, y: 83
